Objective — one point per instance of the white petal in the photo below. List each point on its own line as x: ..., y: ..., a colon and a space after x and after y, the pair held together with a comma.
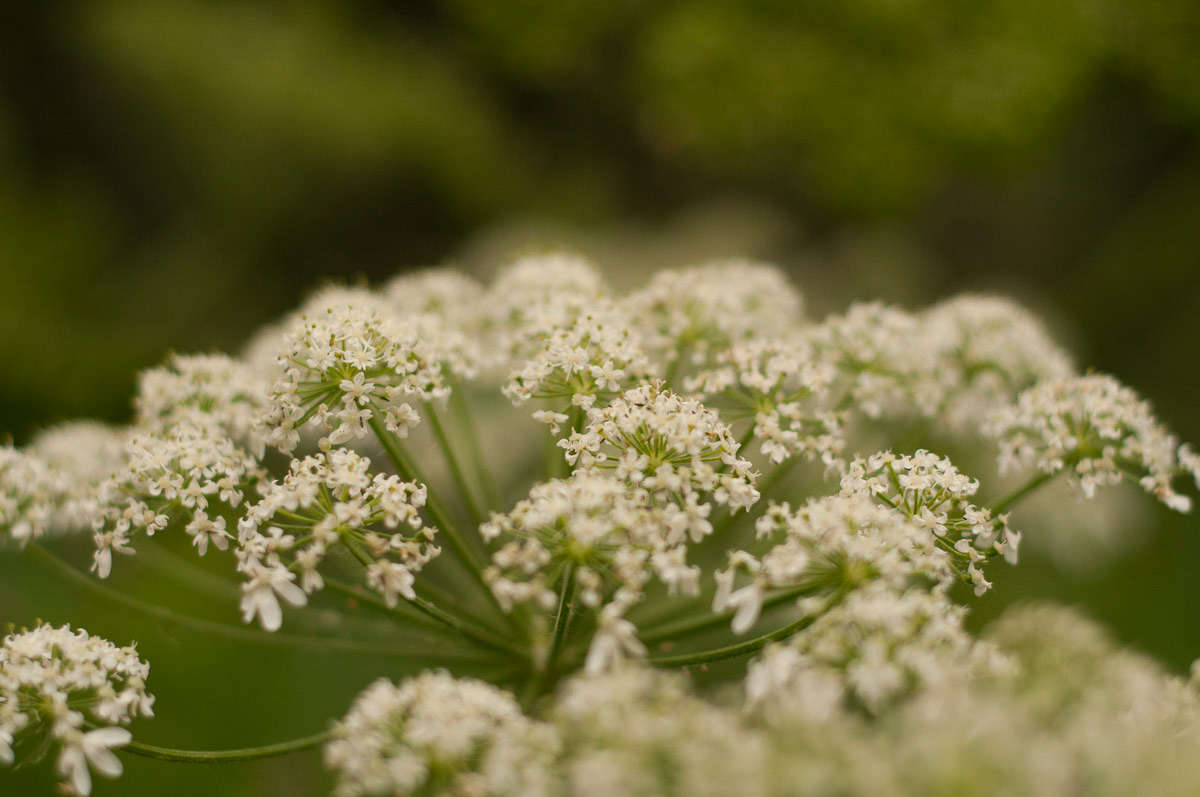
x: 73, y: 767
x: 270, y: 616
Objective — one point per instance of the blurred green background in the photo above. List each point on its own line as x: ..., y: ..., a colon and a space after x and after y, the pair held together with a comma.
x: 174, y: 174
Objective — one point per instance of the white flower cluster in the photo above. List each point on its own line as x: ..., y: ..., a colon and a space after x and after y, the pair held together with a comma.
x: 671, y: 445
x: 443, y: 306
x: 74, y: 691
x: 1097, y: 430
x: 204, y: 389
x: 935, y: 496
x: 436, y: 293
x: 568, y: 342
x: 641, y: 489
x: 637, y: 732
x: 345, y: 362
x: 325, y: 500
x: 437, y: 735
x: 185, y: 471
x: 29, y: 490
x: 826, y: 549
x: 868, y: 650
x: 51, y: 485
x: 784, y: 389
x: 592, y: 355
x: 872, y: 348
x: 536, y: 294
x: 1079, y: 712
x: 957, y: 361
x: 692, y: 312
x: 985, y: 351
x: 609, y: 532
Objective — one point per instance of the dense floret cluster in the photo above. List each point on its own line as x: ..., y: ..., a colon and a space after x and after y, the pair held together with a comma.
x: 707, y: 476
x: 74, y: 692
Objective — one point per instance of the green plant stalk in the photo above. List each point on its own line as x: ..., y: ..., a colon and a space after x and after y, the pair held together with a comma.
x: 451, y: 621
x: 456, y: 471
x: 222, y: 756
x: 361, y: 596
x: 562, y: 620
x: 201, y: 626
x: 733, y: 651
x: 465, y: 553
x: 696, y: 625
x: 1016, y: 495
x: 462, y: 413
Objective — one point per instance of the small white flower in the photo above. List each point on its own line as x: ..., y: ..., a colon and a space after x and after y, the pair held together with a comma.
x: 258, y: 596
x: 94, y: 748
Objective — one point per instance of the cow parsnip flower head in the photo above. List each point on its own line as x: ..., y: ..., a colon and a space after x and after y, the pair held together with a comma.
x: 536, y: 295
x: 608, y: 532
x: 784, y: 389
x: 436, y: 734
x: 186, y: 471
x: 637, y: 544
x: 29, y: 492
x: 74, y: 691
x: 52, y: 485
x: 341, y: 365
x: 589, y: 356
x: 84, y: 454
x: 697, y: 311
x: 867, y: 650
x: 671, y: 445
x: 1076, y: 708
x: 931, y: 492
x: 639, y: 732
x: 440, y: 292
x: 880, y: 369
x: 826, y: 549
x: 204, y: 389
x: 1098, y: 431
x: 986, y: 350
x: 326, y: 501
x: 444, y: 305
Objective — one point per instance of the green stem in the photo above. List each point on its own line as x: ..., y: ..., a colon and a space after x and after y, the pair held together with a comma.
x: 220, y: 756
x: 1016, y: 495
x: 430, y: 610
x: 467, y: 555
x: 188, y: 572
x: 462, y: 414
x: 456, y: 471
x: 562, y: 620
x: 409, y: 470
x: 359, y: 595
x: 210, y: 627
x: 733, y: 651
x: 695, y: 625
x: 746, y: 438
x: 672, y: 374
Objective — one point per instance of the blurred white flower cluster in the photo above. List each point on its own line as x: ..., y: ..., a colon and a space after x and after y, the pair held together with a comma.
x: 587, y: 488
x: 72, y: 691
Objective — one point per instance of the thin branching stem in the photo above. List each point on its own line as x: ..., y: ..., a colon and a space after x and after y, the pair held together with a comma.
x: 223, y: 756
x: 467, y: 555
x: 456, y: 470
x: 696, y: 625
x: 469, y: 632
x: 462, y: 414
x: 211, y: 627
x: 733, y: 651
x: 1018, y: 494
